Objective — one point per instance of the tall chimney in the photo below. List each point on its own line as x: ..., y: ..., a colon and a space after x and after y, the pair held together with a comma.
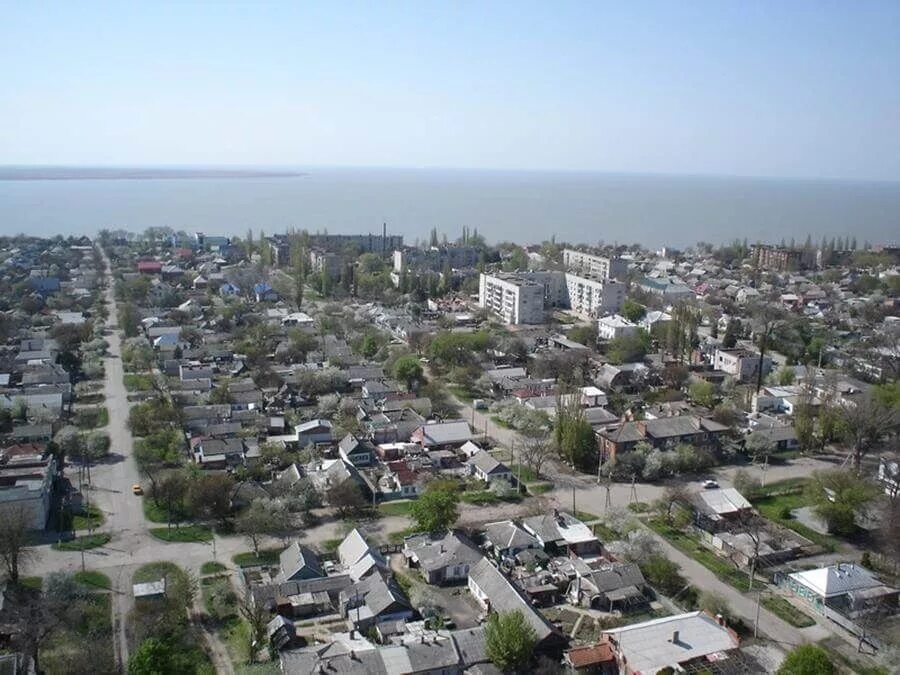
x: 675, y: 637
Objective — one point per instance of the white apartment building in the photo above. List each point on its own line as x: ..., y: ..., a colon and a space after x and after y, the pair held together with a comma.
x: 514, y: 298
x: 589, y: 297
x: 594, y: 265
x: 594, y: 297
x: 611, y: 327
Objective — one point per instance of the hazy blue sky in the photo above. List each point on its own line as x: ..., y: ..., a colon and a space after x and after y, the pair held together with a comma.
x: 759, y: 88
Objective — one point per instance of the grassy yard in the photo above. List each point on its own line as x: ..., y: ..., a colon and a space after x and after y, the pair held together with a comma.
x: 782, y: 498
x: 330, y: 545
x: 89, y: 519
x: 399, y: 536
x: 93, y: 579
x: 32, y: 582
x: 155, y: 513
x: 396, y: 508
x: 83, y: 543
x: 539, y: 488
x: 586, y: 516
x: 92, y: 418
x: 690, y: 546
x: 67, y: 651
x: 212, y: 567
x: 155, y: 571
x: 460, y: 392
x: 266, y: 557
x: 486, y: 497
x: 524, y: 473
x: 785, y: 610
x: 185, y: 533
x: 138, y: 382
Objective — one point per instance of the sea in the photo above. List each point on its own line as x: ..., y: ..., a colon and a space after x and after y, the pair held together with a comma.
x: 518, y: 206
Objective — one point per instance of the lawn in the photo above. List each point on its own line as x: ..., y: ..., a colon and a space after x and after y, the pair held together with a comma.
x: 778, y: 507
x: 690, y: 546
x: 93, y: 579
x: 184, y: 533
x: 460, y: 392
x: 32, y: 582
x: 487, y: 497
x: 785, y: 610
x: 155, y: 571
x: 249, y: 559
x: 399, y: 536
x: 605, y: 533
x: 397, y: 508
x: 331, y: 545
x: 138, y: 382
x: 83, y: 543
x: 539, y: 488
x: 89, y: 519
x: 156, y: 513
x: 586, y: 516
x: 212, y: 567
x: 219, y: 598
x: 524, y: 473
x: 91, y: 418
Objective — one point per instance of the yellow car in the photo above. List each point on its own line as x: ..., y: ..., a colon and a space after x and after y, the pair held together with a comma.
x: 137, y: 489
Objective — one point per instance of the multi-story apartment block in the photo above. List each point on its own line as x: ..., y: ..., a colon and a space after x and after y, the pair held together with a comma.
x: 366, y: 243
x: 590, y: 297
x: 594, y: 265
x: 326, y: 261
x: 775, y: 258
x: 512, y: 297
x: 593, y: 297
x: 27, y: 477
x: 435, y: 258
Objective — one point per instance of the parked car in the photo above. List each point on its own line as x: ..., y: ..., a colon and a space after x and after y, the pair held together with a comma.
x: 710, y: 484
x: 137, y: 489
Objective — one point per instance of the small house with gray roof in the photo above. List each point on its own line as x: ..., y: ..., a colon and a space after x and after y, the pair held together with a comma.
x: 442, y: 558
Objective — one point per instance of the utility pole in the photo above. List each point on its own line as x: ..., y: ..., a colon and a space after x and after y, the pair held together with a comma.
x: 634, y: 497
x: 574, y: 511
x: 756, y: 623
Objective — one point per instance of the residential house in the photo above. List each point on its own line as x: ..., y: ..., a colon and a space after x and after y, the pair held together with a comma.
x: 263, y: 292
x: 609, y: 587
x: 441, y: 558
x: 506, y: 539
x: 720, y: 509
x: 683, y: 642
x: 562, y: 533
x: 596, y: 659
x: 229, y: 290
x: 358, y: 558
x: 495, y: 593
x: 313, y: 432
x: 484, y: 466
x: 27, y: 479
x: 359, y: 452
x: 298, y: 562
x: 442, y: 434
x: 372, y: 600
x: 301, y: 599
x: 848, y: 589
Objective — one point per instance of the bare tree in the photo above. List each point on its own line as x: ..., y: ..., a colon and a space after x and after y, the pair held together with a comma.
x: 766, y: 318
x: 672, y: 496
x: 14, y: 551
x: 867, y: 423
x: 749, y: 522
x: 534, y: 451
x: 257, y: 617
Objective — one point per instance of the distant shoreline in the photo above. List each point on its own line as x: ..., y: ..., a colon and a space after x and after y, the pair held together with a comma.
x: 86, y: 173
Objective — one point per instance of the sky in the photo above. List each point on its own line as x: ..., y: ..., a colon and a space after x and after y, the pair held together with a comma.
x: 764, y: 88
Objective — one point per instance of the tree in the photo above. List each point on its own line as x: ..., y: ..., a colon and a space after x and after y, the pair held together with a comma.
x: 714, y: 603
x: 807, y: 660
x: 629, y: 348
x: 585, y: 335
x: 14, y: 551
x: 675, y: 376
x: 346, y: 497
x: 168, y: 492
x: 436, y: 509
x: 263, y: 517
x: 209, y: 495
x: 534, y: 451
x: 575, y: 438
x: 509, y: 640
x: 732, y: 331
x: 759, y: 445
x: 663, y: 574
x: 744, y: 483
x: 703, y: 393
x: 408, y: 370
x: 640, y: 545
x: 633, y: 311
x: 867, y: 423
x: 672, y: 496
x: 841, y: 498
x: 766, y: 317
x: 257, y: 616
x: 153, y: 657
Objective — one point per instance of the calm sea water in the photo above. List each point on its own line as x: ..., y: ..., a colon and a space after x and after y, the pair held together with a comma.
x: 519, y: 206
